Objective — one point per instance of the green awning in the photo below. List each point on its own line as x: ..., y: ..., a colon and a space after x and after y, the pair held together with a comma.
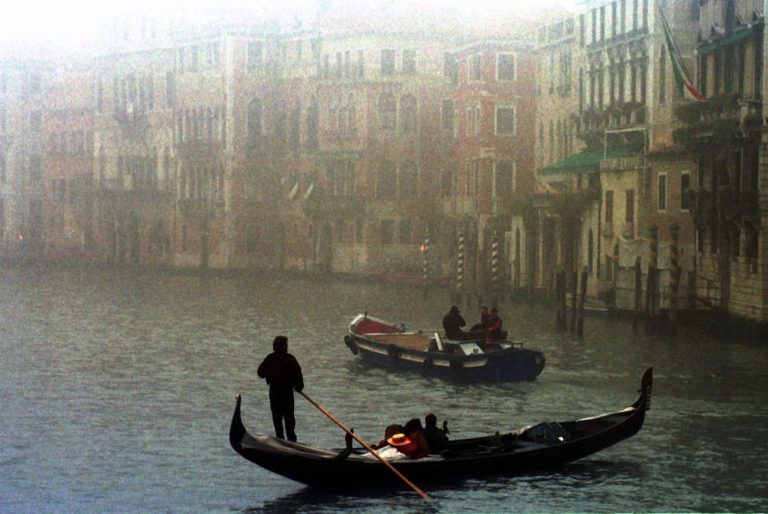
x: 586, y: 161
x: 710, y: 46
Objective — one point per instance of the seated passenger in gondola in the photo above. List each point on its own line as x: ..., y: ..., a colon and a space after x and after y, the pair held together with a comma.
x: 437, y: 438
x: 414, y: 431
x: 404, y: 445
x: 389, y: 432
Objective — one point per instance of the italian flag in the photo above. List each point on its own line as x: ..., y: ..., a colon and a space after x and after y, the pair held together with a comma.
x: 684, y: 84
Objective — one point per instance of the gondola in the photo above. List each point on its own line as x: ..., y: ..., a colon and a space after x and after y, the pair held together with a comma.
x: 471, y: 358
x: 541, y: 446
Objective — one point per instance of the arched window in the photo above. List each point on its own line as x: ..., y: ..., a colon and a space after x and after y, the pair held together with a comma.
x: 730, y: 16
x: 352, y: 122
x: 343, y: 119
x: 333, y: 114
x: 280, y: 122
x: 296, y: 125
x: 662, y: 76
x: 386, y: 180
x: 254, y: 119
x: 408, y: 185
x: 312, y: 120
x: 166, y: 177
x: 209, y: 123
x: 408, y: 113
x: 387, y: 111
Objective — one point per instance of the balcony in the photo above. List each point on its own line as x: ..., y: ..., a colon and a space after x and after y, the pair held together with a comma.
x: 619, y: 116
x: 719, y: 118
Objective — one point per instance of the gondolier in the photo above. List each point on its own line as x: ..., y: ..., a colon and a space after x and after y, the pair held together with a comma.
x: 283, y: 374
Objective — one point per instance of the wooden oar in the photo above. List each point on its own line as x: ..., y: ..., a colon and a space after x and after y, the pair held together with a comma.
x: 365, y: 445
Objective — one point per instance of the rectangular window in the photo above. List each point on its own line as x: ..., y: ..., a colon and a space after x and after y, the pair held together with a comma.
x: 170, y: 90
x: 36, y: 120
x: 387, y: 231
x: 594, y: 26
x: 623, y: 17
x: 447, y: 115
x: 406, y: 231
x: 360, y: 63
x: 602, y: 23
x: 193, y: 58
x: 505, y: 67
x: 630, y: 195
x: 473, y: 177
x: 645, y: 13
x: 35, y: 168
x: 634, y: 14
x: 505, y: 120
x: 450, y: 67
x: 387, y: 62
x: 581, y: 30
x: 255, y: 55
x: 447, y: 178
x: 685, y: 191
x: 347, y: 64
x: 504, y: 180
x: 35, y: 84
x: 409, y: 62
x: 662, y: 204
x: 614, y: 19
x: 609, y: 207
x: 475, y: 67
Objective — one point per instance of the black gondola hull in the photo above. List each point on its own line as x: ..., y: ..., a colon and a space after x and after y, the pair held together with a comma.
x: 494, y: 455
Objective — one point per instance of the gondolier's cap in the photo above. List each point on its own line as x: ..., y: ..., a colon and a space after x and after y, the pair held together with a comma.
x: 399, y: 440
x: 454, y: 308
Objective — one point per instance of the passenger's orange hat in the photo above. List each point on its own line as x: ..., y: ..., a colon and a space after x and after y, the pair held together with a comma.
x: 399, y: 440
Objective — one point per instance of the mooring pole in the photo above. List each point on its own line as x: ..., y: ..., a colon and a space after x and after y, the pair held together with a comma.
x: 582, y: 300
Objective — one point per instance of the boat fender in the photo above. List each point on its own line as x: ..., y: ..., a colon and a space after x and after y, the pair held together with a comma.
x: 426, y: 366
x: 394, y: 352
x: 351, y: 344
x: 457, y: 366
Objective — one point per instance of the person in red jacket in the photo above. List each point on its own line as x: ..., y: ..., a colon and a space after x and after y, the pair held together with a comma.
x: 494, y: 326
x: 282, y: 372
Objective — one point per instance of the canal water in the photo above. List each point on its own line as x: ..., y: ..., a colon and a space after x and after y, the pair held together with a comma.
x: 117, y: 390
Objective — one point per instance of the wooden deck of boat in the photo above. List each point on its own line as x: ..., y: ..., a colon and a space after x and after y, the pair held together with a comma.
x: 418, y: 342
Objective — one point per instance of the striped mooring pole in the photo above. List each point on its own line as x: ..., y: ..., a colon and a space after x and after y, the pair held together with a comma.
x: 460, y: 266
x: 495, y: 262
x: 425, y: 253
x: 674, y: 279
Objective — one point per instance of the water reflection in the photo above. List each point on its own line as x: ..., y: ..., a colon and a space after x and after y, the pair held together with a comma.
x: 311, y: 500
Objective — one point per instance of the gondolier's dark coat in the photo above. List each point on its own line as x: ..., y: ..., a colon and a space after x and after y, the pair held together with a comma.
x: 282, y: 371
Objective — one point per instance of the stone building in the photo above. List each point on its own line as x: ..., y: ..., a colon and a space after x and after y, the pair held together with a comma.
x: 726, y: 133
x: 609, y: 146
x: 22, y: 153
x: 68, y: 161
x: 494, y: 122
